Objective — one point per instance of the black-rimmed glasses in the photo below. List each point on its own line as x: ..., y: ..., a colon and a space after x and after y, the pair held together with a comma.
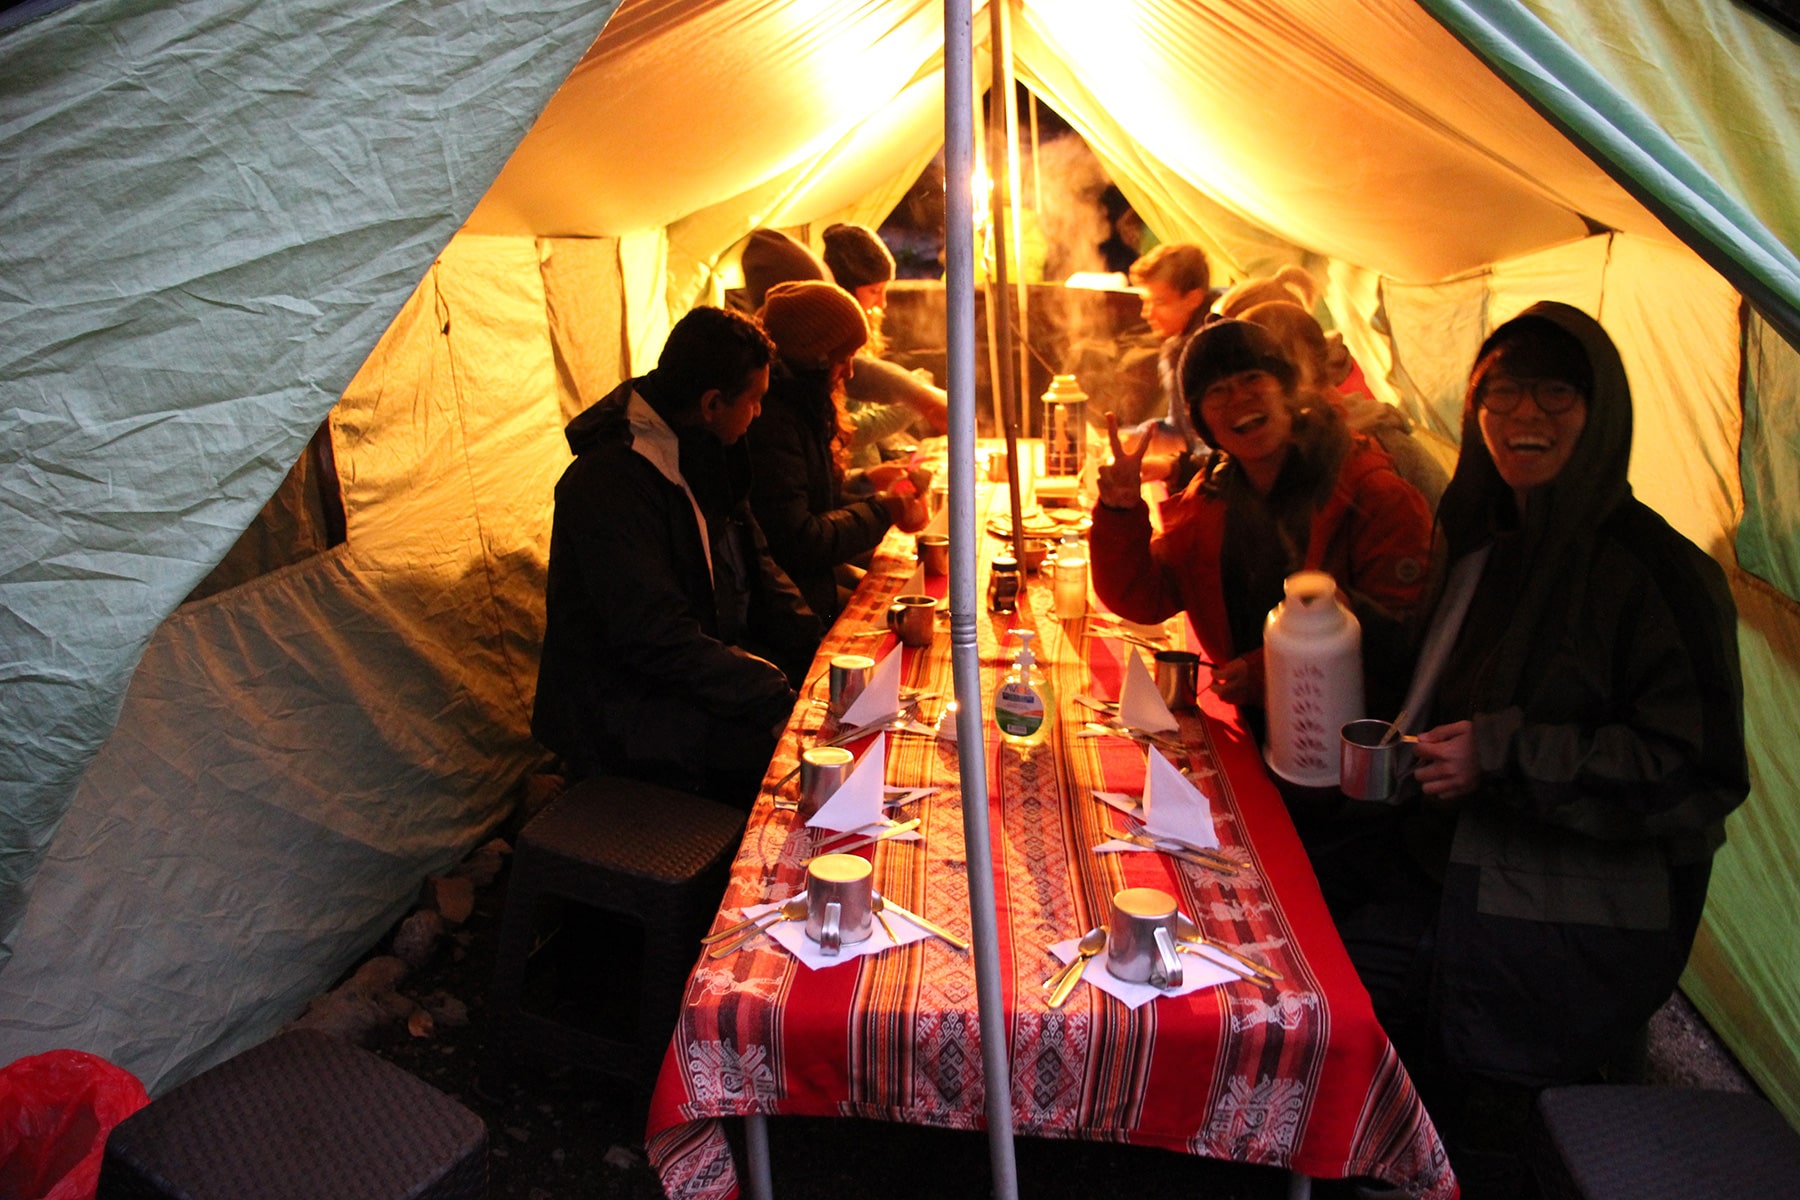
x: 1552, y: 396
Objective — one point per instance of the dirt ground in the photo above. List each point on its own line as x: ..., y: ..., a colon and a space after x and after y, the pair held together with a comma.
x: 560, y: 1133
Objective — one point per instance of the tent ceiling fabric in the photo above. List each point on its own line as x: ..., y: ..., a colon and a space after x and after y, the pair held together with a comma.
x: 682, y: 103
x: 1373, y: 137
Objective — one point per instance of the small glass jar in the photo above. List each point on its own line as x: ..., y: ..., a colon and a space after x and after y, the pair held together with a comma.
x: 1003, y: 584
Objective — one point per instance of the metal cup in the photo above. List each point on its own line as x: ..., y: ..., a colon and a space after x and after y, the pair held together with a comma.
x: 823, y: 770
x: 1140, y: 940
x: 934, y: 553
x: 1177, y: 677
x: 839, y: 901
x: 913, y: 619
x: 849, y: 676
x: 1368, y: 770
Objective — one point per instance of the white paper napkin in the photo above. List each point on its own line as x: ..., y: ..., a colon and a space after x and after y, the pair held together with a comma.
x: 1197, y: 971
x: 880, y: 697
x: 940, y: 522
x: 1140, y: 704
x: 792, y: 937
x: 915, y: 583
x: 1175, y: 808
x: 859, y: 800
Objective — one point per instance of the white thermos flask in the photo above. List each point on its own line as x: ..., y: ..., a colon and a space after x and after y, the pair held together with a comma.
x: 1312, y: 659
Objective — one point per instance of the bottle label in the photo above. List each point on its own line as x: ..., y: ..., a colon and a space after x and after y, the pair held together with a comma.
x: 1018, y: 709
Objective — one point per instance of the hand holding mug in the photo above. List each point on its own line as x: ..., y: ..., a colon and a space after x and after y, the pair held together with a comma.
x: 1447, y: 766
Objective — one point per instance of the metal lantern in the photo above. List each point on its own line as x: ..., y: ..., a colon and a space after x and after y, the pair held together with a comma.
x: 1065, y: 426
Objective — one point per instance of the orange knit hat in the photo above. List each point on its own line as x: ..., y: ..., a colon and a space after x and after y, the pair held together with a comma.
x: 813, y: 322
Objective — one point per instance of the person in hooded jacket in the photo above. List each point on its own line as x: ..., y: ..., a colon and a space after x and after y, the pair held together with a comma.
x: 672, y: 641
x: 800, y: 447
x: 1583, y: 742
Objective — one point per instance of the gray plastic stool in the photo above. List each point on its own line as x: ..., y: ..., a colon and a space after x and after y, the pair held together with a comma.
x: 303, y: 1116
x: 652, y: 862
x: 1620, y: 1142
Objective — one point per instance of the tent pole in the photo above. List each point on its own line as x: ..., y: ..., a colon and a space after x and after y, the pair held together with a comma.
x: 1002, y: 167
x: 959, y: 231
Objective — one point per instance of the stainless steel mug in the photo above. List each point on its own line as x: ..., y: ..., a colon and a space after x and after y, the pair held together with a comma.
x: 823, y: 770
x: 1140, y: 939
x: 913, y: 619
x: 1178, y: 677
x: 934, y: 553
x: 849, y: 676
x: 839, y: 901
x: 1369, y: 770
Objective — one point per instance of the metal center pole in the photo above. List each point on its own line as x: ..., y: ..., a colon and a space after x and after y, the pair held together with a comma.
x: 959, y: 254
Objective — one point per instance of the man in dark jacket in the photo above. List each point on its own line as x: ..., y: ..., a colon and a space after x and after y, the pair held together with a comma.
x: 672, y: 642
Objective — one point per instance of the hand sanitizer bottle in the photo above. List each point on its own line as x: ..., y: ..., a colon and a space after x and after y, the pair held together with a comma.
x: 1024, y: 704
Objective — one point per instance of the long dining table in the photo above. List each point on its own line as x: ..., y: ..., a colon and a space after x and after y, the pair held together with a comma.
x: 1296, y: 1074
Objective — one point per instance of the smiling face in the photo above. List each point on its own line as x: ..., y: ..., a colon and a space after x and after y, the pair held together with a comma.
x: 1250, y: 420
x: 1529, y: 446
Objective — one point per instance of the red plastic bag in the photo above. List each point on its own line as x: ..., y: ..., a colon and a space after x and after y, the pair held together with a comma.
x: 56, y: 1110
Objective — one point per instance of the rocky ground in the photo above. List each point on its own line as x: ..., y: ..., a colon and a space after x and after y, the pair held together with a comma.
x: 562, y: 1133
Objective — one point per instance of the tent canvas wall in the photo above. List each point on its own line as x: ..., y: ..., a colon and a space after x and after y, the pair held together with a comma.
x: 215, y: 210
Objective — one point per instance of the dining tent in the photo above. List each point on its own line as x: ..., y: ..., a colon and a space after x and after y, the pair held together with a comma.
x: 225, y: 222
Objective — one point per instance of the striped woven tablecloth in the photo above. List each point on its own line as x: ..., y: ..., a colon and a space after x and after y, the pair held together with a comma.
x: 1299, y: 1075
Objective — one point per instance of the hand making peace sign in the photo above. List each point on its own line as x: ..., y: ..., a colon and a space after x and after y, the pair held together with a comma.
x: 1121, y: 479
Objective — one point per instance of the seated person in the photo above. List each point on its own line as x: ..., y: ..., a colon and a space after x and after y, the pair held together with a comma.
x: 672, y: 641
x: 1583, y: 744
x: 1296, y: 285
x: 1303, y: 344
x: 1289, y: 489
x: 883, y: 398
x: 800, y: 447
x: 1175, y: 280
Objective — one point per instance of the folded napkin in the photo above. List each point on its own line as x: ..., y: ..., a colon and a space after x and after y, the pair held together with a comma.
x: 1196, y: 972
x: 915, y: 583
x: 859, y: 800
x: 792, y: 937
x: 880, y: 699
x: 1140, y: 704
x: 1173, y: 807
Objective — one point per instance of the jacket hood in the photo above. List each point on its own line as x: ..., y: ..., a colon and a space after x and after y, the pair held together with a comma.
x: 603, y: 422
x: 1592, y: 484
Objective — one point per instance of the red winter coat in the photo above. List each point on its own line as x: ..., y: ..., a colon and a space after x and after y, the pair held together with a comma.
x: 1372, y: 534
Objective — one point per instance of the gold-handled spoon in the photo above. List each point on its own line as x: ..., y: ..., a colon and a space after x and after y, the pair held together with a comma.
x: 1092, y: 943
x: 793, y: 910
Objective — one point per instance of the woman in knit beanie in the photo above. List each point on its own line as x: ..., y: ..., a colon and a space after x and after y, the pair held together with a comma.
x: 799, y: 446
x: 860, y: 262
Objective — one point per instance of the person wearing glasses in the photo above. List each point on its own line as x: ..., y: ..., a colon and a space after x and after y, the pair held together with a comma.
x: 1582, y: 744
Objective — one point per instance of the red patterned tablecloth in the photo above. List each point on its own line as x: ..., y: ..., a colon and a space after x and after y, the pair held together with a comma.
x: 1299, y: 1075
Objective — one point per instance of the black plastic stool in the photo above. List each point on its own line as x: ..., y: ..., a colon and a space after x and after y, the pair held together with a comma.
x: 303, y: 1116
x: 653, y: 862
x: 1622, y: 1142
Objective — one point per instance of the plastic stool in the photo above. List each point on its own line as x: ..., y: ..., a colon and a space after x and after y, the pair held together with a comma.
x: 303, y: 1116
x: 653, y: 861
x: 1621, y: 1142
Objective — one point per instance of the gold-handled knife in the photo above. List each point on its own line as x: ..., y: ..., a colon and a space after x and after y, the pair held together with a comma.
x: 1210, y: 859
x: 935, y: 930
x: 890, y: 832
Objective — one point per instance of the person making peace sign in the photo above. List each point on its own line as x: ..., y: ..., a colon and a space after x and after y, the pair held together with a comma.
x: 1290, y: 489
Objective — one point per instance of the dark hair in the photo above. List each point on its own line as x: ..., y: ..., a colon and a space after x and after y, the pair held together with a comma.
x: 1180, y: 265
x: 1532, y: 347
x: 711, y: 348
